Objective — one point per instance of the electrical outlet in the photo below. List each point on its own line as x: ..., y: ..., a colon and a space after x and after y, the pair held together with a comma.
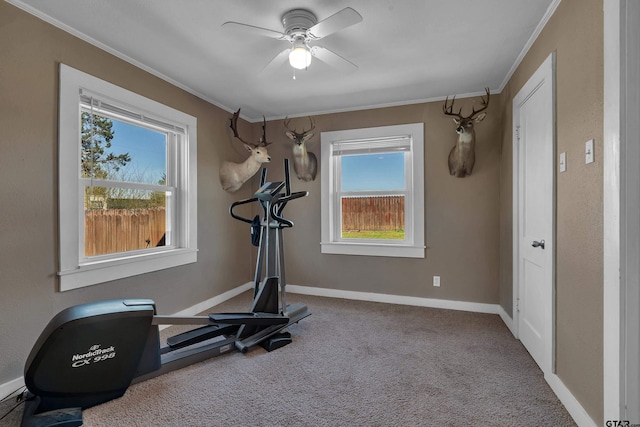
x: 436, y: 280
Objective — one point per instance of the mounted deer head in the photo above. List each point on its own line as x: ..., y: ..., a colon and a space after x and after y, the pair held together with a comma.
x: 305, y: 163
x: 233, y: 175
x: 462, y: 156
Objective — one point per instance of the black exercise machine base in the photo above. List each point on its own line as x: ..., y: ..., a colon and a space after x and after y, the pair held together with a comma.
x: 91, y: 353
x: 277, y: 341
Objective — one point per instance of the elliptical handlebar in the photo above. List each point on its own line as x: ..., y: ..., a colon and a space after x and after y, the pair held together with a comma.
x: 238, y: 203
x: 278, y: 206
x: 273, y: 197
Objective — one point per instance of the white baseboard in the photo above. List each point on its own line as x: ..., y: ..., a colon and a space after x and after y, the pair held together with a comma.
x: 569, y: 401
x: 405, y: 300
x: 508, y: 320
x: 11, y: 388
x: 396, y: 299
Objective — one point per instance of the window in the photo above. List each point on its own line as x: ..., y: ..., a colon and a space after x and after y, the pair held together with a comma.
x: 373, y: 191
x: 127, y: 183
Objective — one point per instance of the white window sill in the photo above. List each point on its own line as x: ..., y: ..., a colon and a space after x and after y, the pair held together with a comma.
x: 91, y: 273
x: 372, y: 249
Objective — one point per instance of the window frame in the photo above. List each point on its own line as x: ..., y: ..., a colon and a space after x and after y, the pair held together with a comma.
x: 331, y: 240
x: 76, y: 270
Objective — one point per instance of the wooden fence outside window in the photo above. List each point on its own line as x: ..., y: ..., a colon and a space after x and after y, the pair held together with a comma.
x: 110, y: 231
x: 373, y: 213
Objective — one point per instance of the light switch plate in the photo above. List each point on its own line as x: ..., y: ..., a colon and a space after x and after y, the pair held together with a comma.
x: 563, y: 162
x: 588, y: 152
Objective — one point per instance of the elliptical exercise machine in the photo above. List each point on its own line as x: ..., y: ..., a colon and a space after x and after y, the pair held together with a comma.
x: 90, y: 353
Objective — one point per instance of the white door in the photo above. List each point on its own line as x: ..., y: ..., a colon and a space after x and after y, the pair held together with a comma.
x: 533, y: 119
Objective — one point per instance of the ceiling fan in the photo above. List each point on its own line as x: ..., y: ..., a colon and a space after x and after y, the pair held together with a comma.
x: 300, y: 28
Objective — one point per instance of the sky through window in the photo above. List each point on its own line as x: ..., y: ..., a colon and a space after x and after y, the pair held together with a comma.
x: 147, y: 149
x: 371, y: 172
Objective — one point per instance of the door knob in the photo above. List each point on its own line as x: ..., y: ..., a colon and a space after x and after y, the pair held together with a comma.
x: 537, y: 244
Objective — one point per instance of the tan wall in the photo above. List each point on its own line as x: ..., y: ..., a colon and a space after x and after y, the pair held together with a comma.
x: 461, y: 214
x: 30, y: 51
x: 467, y: 220
x: 575, y: 33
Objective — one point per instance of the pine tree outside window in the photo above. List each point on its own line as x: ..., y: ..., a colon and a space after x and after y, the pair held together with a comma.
x: 133, y: 163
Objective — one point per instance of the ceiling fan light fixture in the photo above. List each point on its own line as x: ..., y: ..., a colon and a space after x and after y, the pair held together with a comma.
x: 300, y: 55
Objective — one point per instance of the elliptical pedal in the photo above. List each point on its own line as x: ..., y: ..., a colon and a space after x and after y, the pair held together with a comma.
x: 257, y: 318
x: 200, y: 334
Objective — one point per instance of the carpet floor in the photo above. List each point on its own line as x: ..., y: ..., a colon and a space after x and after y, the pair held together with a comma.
x: 353, y: 363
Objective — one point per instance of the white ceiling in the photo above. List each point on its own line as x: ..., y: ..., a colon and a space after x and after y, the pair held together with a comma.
x: 406, y: 50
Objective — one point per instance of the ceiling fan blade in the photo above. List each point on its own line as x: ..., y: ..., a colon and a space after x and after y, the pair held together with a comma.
x: 336, y: 22
x: 258, y: 31
x: 277, y: 61
x: 332, y: 58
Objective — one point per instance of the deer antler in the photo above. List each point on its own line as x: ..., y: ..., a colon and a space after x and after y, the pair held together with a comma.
x: 485, y: 104
x: 263, y: 139
x: 448, y: 109
x: 304, y: 132
x: 234, y: 127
